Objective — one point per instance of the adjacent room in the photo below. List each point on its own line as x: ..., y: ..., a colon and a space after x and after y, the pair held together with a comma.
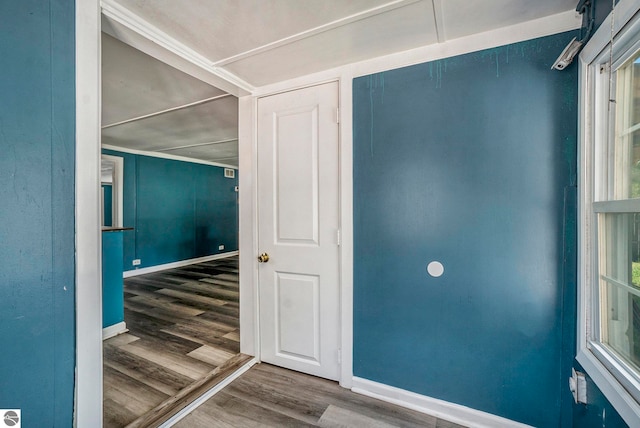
x: 169, y: 235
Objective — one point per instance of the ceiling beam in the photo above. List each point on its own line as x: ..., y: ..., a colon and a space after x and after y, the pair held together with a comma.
x: 158, y: 113
x: 438, y: 18
x: 230, y: 140
x: 395, y: 4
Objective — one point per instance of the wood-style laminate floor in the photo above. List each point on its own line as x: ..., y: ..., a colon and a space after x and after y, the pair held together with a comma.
x: 269, y: 396
x: 183, y: 329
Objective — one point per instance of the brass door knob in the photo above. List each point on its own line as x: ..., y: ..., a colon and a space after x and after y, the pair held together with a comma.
x: 263, y: 258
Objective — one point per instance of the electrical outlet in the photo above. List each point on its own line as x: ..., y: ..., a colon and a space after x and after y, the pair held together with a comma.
x: 136, y: 262
x: 578, y: 386
x: 220, y: 247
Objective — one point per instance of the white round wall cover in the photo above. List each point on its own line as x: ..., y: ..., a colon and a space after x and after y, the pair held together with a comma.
x: 435, y: 269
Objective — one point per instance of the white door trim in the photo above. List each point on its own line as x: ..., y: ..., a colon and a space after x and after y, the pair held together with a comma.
x: 248, y: 150
x: 345, y: 160
x: 88, y: 384
x: 248, y: 225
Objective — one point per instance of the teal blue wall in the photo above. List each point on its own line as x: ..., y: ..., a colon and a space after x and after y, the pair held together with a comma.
x: 112, y: 282
x: 602, y: 8
x: 180, y: 210
x: 37, y: 139
x: 107, y: 208
x: 471, y: 161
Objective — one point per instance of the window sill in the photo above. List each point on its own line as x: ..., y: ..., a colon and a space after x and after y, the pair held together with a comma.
x: 619, y: 397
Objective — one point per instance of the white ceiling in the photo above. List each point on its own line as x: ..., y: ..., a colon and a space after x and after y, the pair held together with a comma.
x: 261, y: 42
x: 134, y: 84
x: 150, y: 106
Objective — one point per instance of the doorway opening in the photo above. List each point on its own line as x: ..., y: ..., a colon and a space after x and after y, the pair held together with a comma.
x: 111, y: 182
x: 170, y: 236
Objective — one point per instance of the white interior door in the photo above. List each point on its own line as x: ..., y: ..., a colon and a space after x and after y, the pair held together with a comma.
x: 298, y: 198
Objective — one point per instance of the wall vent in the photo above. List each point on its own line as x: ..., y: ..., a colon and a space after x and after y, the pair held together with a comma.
x: 229, y: 173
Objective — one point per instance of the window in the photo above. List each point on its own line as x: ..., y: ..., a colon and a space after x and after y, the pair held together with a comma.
x: 609, y: 292
x: 618, y: 241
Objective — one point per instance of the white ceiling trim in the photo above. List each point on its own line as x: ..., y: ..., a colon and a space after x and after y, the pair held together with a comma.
x: 438, y: 18
x: 317, y: 30
x: 234, y: 157
x: 166, y: 156
x: 554, y: 24
x: 132, y: 22
x: 541, y: 27
x: 188, y: 146
x: 151, y: 48
x: 169, y: 110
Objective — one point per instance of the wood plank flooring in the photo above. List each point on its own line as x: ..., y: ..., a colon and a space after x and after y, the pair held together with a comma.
x: 183, y: 330
x: 269, y: 396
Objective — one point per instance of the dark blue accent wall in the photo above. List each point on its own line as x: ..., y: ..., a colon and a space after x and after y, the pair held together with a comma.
x: 112, y: 282
x: 470, y: 161
x: 37, y: 141
x: 602, y: 9
x: 107, y: 208
x: 180, y: 210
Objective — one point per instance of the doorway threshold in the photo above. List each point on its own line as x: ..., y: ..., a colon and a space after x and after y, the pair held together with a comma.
x: 175, y: 408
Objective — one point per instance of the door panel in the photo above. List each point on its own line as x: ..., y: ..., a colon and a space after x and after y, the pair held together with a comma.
x: 297, y: 183
x: 298, y: 198
x: 298, y: 316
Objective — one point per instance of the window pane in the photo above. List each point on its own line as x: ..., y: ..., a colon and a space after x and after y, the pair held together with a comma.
x: 619, y: 243
x: 626, y: 160
x: 635, y: 163
x: 634, y: 101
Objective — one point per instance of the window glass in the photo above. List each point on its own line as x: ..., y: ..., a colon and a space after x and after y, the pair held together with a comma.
x: 619, y: 229
x: 620, y: 284
x: 627, y: 131
x: 609, y: 324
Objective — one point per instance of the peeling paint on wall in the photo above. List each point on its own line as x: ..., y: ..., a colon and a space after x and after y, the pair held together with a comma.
x: 376, y: 81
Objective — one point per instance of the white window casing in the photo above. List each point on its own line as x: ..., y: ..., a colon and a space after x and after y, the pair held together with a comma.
x: 605, y: 200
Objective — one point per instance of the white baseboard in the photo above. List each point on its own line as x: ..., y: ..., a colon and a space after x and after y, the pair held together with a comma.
x: 432, y: 406
x: 114, y: 330
x: 158, y: 268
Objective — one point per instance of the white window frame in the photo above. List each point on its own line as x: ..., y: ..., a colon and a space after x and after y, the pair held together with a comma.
x: 618, y: 384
